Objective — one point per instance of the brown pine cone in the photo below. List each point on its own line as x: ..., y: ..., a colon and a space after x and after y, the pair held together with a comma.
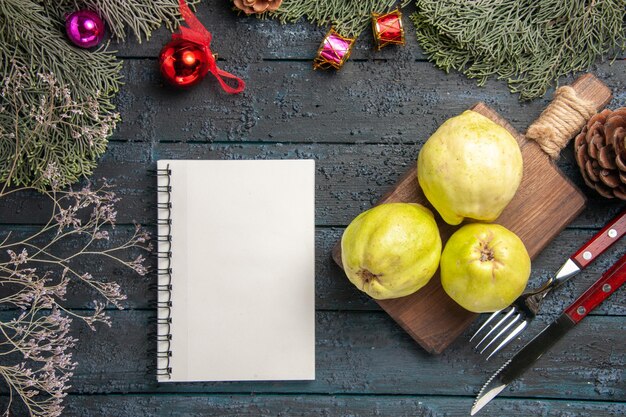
x: 601, y: 153
x: 257, y: 6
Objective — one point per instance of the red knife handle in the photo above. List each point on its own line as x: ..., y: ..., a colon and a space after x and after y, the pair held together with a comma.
x: 611, y: 233
x: 608, y: 283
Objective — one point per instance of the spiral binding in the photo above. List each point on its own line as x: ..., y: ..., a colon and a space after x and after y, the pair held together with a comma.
x: 164, y: 273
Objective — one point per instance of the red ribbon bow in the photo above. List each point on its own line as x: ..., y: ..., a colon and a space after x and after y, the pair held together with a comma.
x: 197, y: 33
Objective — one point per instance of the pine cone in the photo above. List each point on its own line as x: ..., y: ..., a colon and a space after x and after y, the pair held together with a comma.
x: 257, y: 6
x: 601, y: 153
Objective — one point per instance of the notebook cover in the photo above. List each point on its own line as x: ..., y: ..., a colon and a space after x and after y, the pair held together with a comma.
x: 242, y: 270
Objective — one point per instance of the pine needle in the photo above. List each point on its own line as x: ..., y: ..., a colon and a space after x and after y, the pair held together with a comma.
x: 43, y: 78
x: 56, y: 105
x: 530, y: 43
x: 141, y: 17
x: 349, y: 17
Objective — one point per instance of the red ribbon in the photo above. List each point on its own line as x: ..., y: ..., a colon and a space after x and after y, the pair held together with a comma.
x: 197, y: 33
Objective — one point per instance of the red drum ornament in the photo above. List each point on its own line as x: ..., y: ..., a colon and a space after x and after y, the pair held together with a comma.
x: 183, y: 63
x: 334, y: 51
x: 388, y: 28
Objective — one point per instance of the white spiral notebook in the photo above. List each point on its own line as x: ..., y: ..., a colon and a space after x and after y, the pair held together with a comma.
x: 236, y: 270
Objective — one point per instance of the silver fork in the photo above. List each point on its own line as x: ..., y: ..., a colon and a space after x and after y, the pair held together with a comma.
x: 514, y: 319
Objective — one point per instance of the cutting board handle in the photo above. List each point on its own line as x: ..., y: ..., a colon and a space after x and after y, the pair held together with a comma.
x: 568, y: 112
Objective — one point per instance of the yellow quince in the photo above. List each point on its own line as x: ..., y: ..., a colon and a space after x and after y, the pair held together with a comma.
x: 391, y: 250
x: 484, y: 267
x: 470, y: 167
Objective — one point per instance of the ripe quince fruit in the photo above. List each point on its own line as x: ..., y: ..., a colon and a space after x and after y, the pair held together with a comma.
x: 484, y: 267
x: 391, y: 250
x: 470, y: 167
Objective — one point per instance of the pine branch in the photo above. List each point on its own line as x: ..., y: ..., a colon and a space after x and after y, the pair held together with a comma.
x: 349, y: 17
x: 141, y: 17
x: 530, y: 43
x: 56, y: 99
x: 56, y: 106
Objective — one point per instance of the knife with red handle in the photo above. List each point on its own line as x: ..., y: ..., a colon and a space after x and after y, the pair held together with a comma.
x: 610, y: 234
x: 606, y: 285
x: 588, y: 252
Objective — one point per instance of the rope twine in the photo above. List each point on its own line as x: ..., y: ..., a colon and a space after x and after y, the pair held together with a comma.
x: 560, y: 121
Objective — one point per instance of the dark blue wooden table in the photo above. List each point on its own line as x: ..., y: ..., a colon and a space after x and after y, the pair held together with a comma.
x: 364, y: 126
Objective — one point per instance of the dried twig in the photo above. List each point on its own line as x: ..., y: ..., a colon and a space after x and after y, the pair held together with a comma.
x: 35, y: 273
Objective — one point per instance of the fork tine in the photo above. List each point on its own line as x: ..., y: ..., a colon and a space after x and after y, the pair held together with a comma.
x: 489, y: 319
x: 512, y: 322
x: 510, y: 337
x: 493, y: 329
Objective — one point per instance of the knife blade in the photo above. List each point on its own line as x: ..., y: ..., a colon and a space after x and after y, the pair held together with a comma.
x: 606, y: 285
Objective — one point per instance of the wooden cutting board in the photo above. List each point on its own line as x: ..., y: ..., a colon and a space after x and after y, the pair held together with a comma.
x: 544, y: 204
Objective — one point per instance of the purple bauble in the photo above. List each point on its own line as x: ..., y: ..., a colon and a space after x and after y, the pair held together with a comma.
x: 84, y: 28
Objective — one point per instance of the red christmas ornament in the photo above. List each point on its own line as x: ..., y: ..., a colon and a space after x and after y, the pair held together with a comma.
x: 187, y: 58
x: 388, y: 28
x: 183, y: 63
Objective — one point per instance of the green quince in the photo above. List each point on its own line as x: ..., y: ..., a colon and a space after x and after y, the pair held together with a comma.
x: 470, y: 167
x: 484, y: 267
x: 391, y: 250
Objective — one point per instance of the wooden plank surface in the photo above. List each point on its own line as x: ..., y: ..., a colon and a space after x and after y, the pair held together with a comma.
x: 545, y: 202
x: 366, y: 353
x: 224, y: 405
x: 363, y: 126
x: 345, y: 185
x: 386, y: 103
x: 334, y: 292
